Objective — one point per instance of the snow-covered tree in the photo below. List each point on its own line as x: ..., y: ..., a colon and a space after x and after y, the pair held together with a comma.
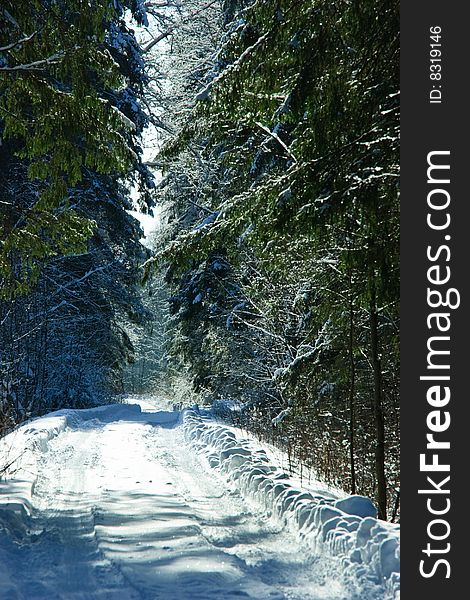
x: 68, y: 78
x: 70, y: 250
x: 286, y: 172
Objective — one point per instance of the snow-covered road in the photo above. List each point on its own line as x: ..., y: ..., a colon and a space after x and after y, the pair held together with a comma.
x: 115, y: 504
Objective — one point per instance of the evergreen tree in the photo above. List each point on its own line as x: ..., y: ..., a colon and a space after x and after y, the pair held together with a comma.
x: 58, y: 70
x: 70, y: 248
x: 295, y: 130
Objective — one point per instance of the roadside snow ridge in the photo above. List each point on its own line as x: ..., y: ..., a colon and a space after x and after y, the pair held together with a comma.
x: 346, y: 528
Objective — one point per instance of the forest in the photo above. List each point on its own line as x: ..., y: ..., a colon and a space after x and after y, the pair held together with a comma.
x: 260, y: 138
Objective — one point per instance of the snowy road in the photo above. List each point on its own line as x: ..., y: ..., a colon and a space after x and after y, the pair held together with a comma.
x: 123, y: 508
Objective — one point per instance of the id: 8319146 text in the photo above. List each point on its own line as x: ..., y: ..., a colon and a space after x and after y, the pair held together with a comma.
x: 435, y: 64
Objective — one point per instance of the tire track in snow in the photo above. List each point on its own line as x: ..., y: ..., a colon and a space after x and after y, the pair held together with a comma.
x: 64, y: 559
x: 123, y: 509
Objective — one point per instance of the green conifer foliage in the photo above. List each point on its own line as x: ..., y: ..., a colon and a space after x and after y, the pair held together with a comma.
x: 299, y: 124
x: 55, y: 68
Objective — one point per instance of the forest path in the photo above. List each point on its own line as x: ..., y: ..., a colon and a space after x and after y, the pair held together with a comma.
x: 123, y: 509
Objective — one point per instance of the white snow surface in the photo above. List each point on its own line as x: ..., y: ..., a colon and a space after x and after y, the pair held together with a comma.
x: 136, y: 501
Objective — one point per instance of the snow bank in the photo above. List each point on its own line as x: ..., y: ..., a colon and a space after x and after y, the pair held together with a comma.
x: 346, y: 528
x: 18, y: 459
x: 21, y: 450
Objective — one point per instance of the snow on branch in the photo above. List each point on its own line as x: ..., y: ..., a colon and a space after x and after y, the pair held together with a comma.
x: 172, y: 28
x: 23, y: 40
x: 37, y: 65
x: 275, y: 136
x: 204, y: 94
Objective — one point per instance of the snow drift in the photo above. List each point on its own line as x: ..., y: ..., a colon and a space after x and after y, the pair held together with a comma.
x: 346, y: 528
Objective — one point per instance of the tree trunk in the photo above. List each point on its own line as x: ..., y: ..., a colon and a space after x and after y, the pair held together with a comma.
x: 352, y: 390
x: 378, y: 410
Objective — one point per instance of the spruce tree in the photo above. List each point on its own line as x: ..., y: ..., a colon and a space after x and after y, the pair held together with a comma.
x: 296, y: 126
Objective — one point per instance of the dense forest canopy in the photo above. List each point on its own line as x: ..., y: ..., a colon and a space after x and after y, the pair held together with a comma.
x: 70, y: 126
x: 277, y: 252
x: 67, y: 103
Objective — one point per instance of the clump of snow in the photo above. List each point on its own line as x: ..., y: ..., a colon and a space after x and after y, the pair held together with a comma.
x: 345, y: 528
x: 357, y: 505
x: 207, y: 221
